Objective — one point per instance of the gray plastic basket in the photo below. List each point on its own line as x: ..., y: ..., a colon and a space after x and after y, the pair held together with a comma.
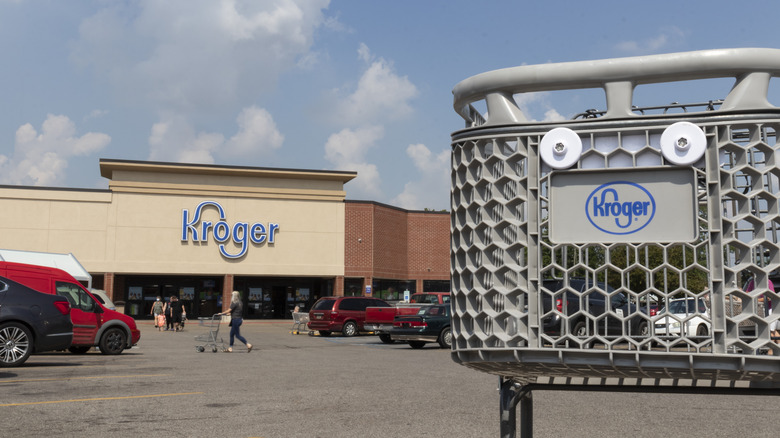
x: 632, y: 208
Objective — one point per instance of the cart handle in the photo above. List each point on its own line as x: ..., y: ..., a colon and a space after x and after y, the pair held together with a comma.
x: 752, y: 68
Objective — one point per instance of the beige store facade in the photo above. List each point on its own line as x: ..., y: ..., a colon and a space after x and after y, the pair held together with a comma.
x: 195, y: 231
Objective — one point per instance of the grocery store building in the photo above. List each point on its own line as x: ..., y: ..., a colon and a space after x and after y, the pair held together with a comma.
x: 282, y: 237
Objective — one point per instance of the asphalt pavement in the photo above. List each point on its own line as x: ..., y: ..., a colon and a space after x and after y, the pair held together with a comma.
x: 307, y: 386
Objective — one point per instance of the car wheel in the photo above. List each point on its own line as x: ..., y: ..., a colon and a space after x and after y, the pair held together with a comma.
x: 324, y: 334
x: 644, y: 329
x: 702, y: 330
x: 113, y: 341
x: 445, y: 338
x: 416, y: 344
x: 79, y: 350
x: 581, y: 331
x: 15, y: 344
x: 386, y: 339
x: 350, y: 329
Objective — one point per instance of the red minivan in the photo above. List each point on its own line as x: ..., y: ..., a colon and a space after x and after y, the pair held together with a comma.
x: 93, y: 324
x: 341, y: 314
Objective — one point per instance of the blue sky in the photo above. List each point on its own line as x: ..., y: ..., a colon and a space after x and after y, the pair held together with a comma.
x: 311, y: 84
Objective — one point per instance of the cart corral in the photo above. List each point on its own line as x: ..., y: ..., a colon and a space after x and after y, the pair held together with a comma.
x: 639, y: 205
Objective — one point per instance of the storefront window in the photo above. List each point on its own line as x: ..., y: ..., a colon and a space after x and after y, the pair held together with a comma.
x: 436, y: 285
x: 199, y: 295
x: 392, y: 290
x: 276, y: 297
x: 353, y: 287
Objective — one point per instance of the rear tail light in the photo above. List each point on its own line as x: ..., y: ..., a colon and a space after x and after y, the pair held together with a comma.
x: 559, y: 305
x: 653, y: 312
x: 63, y: 307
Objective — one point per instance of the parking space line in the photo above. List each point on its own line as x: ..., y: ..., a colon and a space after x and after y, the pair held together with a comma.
x: 81, y: 378
x: 97, y: 399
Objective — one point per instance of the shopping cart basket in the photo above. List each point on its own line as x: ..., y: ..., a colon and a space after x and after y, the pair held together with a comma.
x: 569, y: 238
x: 210, y: 338
x: 300, y: 321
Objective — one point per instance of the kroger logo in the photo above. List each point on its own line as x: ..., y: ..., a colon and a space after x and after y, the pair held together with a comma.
x: 620, y: 207
x: 240, y: 233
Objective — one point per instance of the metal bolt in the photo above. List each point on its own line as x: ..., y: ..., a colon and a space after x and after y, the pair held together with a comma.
x: 682, y: 143
x: 559, y: 147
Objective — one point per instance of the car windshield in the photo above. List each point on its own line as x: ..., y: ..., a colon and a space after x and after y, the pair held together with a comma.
x: 436, y: 311
x: 323, y: 305
x: 682, y: 306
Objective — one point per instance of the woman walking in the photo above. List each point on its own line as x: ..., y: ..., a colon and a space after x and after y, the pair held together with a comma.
x: 236, y: 319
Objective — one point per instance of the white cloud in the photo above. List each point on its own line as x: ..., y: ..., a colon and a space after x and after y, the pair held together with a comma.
x: 347, y: 149
x: 433, y: 187
x: 96, y: 114
x: 552, y: 115
x: 257, y: 134
x: 41, y: 158
x: 670, y: 35
x: 380, y: 95
x: 175, y: 139
x: 197, y: 54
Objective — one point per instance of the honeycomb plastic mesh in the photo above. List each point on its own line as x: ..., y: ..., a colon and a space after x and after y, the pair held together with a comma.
x: 503, y: 262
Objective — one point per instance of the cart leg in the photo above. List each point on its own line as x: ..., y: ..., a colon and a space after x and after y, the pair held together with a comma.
x: 510, y: 394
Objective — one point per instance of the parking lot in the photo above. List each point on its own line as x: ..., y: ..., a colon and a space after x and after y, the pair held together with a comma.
x: 304, y: 386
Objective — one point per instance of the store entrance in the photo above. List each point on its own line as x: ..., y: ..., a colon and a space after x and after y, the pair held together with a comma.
x: 279, y: 300
x: 199, y: 295
x: 276, y: 297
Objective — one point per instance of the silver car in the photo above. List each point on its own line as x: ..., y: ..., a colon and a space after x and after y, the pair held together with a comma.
x: 102, y: 296
x: 688, y: 317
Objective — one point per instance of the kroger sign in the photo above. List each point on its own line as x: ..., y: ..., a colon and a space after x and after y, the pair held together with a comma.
x: 620, y: 207
x: 240, y: 233
x: 631, y: 205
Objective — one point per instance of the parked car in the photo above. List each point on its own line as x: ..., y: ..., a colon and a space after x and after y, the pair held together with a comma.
x: 380, y: 319
x: 431, y: 324
x: 695, y: 309
x: 102, y: 296
x: 93, y: 324
x: 31, y: 322
x: 341, y: 314
x: 594, y: 296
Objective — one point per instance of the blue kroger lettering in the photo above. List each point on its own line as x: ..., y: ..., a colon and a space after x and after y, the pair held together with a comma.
x: 241, y: 233
x: 630, y: 215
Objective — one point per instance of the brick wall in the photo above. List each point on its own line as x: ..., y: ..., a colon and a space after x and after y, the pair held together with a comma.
x: 391, y: 243
x: 428, y: 246
x: 359, y: 240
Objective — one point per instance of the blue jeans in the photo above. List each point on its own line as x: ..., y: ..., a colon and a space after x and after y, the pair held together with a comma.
x: 235, y: 330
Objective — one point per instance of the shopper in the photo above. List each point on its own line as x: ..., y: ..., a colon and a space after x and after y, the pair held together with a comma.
x: 177, y: 313
x: 236, y: 319
x: 157, y: 311
x: 169, y: 313
x: 766, y: 300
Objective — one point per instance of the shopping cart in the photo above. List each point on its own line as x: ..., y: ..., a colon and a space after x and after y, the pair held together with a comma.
x: 555, y: 260
x: 300, y: 319
x: 210, y: 339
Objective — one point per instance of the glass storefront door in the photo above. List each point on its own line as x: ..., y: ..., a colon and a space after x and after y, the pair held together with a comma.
x: 200, y: 296
x: 275, y: 297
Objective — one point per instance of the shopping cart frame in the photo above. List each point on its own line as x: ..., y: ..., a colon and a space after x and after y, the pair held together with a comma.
x: 501, y: 215
x: 300, y: 319
x: 211, y: 338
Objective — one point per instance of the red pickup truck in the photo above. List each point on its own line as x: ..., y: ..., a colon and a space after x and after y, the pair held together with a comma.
x: 380, y: 319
